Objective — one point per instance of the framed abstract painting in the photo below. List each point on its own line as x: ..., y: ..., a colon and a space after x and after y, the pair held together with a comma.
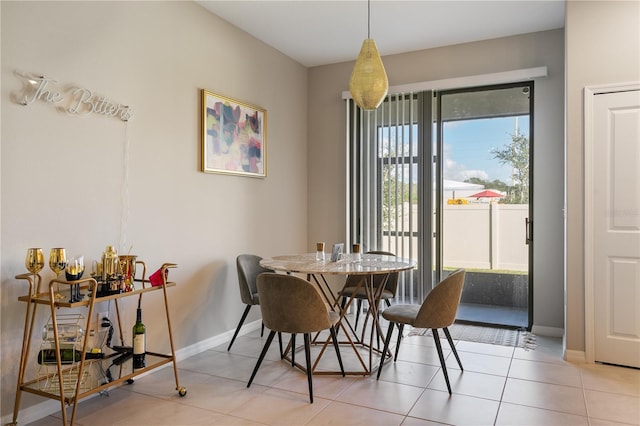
x: 234, y: 136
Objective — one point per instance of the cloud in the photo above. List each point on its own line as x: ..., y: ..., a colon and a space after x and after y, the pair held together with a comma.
x: 467, y: 174
x: 457, y: 171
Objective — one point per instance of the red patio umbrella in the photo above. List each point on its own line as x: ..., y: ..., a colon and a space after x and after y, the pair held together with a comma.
x: 486, y: 193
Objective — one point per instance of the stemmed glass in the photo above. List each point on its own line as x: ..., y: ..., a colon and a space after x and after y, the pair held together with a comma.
x: 34, y: 261
x: 73, y: 272
x: 57, y: 263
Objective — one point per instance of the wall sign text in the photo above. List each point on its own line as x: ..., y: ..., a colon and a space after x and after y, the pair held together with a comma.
x: 74, y: 100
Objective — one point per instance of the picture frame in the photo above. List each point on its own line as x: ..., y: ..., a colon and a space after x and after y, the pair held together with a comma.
x: 234, y: 136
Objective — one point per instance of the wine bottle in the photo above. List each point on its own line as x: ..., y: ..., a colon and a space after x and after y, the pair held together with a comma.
x: 139, y: 341
x: 67, y: 356
x: 66, y: 332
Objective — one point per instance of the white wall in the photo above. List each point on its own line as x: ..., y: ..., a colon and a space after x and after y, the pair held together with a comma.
x: 327, y: 134
x: 62, y: 175
x: 603, y: 47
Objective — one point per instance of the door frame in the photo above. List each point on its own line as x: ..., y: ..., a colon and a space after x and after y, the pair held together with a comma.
x: 589, y: 286
x: 439, y: 172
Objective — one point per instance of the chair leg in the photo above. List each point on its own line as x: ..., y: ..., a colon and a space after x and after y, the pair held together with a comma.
x: 293, y: 349
x: 280, y: 342
x: 307, y: 353
x: 400, y: 330
x: 359, y: 308
x: 453, y: 347
x: 262, y: 354
x: 244, y: 316
x: 441, y: 356
x: 334, y: 337
x: 262, y: 330
x: 386, y: 347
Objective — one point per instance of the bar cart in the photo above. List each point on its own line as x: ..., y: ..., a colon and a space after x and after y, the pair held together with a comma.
x: 68, y: 372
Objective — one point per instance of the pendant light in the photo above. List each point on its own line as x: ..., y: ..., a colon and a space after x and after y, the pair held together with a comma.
x: 369, y: 83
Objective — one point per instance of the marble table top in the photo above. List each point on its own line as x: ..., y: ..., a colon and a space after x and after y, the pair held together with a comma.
x: 347, y: 265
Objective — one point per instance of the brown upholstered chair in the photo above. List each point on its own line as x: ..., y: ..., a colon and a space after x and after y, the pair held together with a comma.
x: 351, y: 284
x: 292, y: 305
x: 437, y: 311
x: 248, y: 266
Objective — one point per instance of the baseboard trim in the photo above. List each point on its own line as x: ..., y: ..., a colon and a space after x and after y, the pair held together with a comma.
x: 34, y: 412
x: 541, y: 330
x: 51, y: 407
x: 578, y: 357
x: 214, y: 341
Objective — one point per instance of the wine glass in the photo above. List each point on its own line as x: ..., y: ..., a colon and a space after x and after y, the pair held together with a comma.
x: 58, y: 263
x: 34, y: 261
x: 73, y: 272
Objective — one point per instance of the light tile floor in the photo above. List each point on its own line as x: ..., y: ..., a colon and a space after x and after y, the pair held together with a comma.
x: 499, y: 386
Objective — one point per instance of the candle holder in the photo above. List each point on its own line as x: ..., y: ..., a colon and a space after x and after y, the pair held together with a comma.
x: 355, y: 250
x: 320, y: 252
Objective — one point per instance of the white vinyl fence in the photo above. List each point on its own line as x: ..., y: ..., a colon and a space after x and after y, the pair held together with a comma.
x: 485, y: 236
x: 479, y: 236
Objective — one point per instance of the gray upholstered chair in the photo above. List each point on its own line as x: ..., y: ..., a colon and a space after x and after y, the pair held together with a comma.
x: 249, y: 268
x: 290, y: 304
x: 351, y: 284
x: 437, y: 311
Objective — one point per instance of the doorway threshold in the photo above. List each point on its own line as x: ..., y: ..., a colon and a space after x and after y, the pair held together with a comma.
x: 501, y: 316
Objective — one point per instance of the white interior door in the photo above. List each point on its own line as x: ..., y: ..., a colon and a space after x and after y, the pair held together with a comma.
x: 615, y: 210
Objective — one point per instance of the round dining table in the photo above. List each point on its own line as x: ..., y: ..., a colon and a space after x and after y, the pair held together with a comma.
x: 316, y: 271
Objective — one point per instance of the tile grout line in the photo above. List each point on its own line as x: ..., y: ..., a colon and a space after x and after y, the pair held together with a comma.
x: 504, y: 387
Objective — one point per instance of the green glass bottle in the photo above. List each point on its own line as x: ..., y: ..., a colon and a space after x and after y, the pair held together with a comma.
x: 139, y: 341
x: 67, y: 356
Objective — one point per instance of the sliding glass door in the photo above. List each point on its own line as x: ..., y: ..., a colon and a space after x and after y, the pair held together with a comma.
x: 444, y: 179
x: 484, y: 199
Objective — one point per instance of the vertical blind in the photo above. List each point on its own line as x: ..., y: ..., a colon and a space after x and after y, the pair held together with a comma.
x: 385, y: 151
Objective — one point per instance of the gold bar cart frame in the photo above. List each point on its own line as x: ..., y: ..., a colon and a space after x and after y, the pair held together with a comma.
x: 37, y: 297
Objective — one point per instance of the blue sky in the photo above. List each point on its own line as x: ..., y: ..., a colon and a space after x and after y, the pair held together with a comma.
x: 467, y: 146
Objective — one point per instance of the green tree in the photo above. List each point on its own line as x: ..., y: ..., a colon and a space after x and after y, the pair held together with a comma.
x: 516, y: 154
x: 395, y: 192
x: 389, y: 185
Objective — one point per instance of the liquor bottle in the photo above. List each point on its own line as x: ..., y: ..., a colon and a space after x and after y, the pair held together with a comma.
x: 67, y: 356
x: 139, y: 341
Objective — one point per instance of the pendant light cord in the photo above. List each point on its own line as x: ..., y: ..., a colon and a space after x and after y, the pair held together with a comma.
x: 368, y: 18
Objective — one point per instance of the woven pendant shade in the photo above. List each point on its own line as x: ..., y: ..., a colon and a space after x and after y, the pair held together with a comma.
x: 369, y: 83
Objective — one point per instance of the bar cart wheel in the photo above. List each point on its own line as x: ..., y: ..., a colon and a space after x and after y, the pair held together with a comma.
x: 130, y: 381
x: 182, y: 391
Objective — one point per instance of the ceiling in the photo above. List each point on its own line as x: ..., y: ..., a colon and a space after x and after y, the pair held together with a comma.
x: 320, y: 32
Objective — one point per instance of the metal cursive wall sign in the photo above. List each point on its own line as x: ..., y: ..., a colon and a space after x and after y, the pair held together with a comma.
x: 71, y: 99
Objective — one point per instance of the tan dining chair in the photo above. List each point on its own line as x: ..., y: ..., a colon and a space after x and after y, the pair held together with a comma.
x: 351, y: 289
x: 437, y: 311
x: 290, y: 304
x: 248, y: 266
